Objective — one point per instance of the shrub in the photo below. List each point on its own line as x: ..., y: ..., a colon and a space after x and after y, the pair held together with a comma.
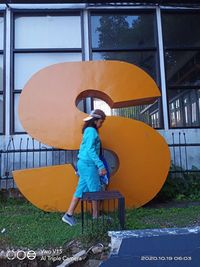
x: 181, y: 185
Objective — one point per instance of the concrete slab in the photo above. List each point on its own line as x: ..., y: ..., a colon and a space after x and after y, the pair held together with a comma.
x: 170, y: 247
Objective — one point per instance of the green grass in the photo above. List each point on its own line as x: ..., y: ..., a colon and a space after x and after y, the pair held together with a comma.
x: 28, y: 227
x: 143, y: 218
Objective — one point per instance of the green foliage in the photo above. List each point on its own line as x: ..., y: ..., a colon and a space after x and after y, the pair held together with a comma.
x: 181, y: 185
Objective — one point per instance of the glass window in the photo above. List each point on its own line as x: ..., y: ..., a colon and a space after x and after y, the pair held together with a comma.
x: 41, y: 40
x: 181, y: 30
x: 183, y: 67
x: 195, y: 108
x: 149, y: 114
x: 99, y: 104
x: 26, y: 64
x: 184, y: 108
x: 17, y: 125
x: 1, y: 113
x: 143, y: 59
x: 129, y: 37
x: 48, y: 32
x: 122, y: 31
x: 155, y: 120
x: 198, y: 96
x: 181, y: 35
x: 1, y: 32
x: 194, y: 113
x: 1, y: 72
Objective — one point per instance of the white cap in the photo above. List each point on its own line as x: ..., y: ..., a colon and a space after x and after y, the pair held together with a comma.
x: 92, y: 115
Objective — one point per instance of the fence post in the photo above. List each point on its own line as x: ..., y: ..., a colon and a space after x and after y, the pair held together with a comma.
x: 0, y: 165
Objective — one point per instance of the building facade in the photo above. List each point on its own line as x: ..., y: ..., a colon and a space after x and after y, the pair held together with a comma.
x: 163, y: 39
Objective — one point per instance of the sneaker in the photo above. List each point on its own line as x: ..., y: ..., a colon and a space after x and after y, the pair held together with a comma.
x: 69, y: 219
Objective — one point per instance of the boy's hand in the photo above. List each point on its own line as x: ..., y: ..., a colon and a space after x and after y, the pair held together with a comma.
x: 102, y: 172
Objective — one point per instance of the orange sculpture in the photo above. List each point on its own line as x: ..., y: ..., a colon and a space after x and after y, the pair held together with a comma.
x: 48, y: 112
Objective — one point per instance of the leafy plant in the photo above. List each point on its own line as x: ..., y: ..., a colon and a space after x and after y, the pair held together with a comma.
x: 181, y: 185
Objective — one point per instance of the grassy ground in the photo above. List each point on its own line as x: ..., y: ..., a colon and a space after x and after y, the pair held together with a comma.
x: 28, y: 227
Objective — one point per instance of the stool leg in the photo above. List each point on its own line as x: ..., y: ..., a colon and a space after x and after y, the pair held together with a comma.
x: 82, y: 214
x: 121, y: 212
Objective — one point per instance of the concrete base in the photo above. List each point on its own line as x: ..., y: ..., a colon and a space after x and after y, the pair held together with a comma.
x: 171, y: 247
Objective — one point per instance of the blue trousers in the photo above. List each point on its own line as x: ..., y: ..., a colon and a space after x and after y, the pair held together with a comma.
x: 89, y: 179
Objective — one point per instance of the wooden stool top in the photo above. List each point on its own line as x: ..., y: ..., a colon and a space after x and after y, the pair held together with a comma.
x: 102, y: 195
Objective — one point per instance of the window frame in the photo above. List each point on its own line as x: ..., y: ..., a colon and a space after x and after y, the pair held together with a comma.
x: 181, y: 87
x: 154, y: 48
x: 3, y: 53
x: 14, y: 51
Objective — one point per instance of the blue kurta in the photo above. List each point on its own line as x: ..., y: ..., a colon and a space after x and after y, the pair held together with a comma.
x: 89, y: 163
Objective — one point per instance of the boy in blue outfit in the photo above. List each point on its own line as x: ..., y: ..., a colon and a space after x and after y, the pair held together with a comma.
x: 90, y: 166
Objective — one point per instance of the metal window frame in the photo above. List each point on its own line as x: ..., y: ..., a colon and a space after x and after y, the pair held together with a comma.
x: 32, y: 13
x: 155, y: 48
x: 95, y: 1
x: 3, y: 53
x: 175, y: 48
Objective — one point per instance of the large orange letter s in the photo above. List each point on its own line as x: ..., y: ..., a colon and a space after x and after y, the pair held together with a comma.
x: 48, y: 113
